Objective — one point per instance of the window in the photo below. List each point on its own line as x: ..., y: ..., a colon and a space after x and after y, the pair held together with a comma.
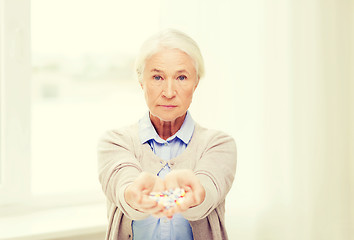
x: 82, y: 83
x: 69, y: 77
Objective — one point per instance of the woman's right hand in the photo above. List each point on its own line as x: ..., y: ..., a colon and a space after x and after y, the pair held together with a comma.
x: 137, y: 194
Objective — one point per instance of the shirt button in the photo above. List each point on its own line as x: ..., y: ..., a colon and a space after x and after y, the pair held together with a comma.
x: 165, y: 144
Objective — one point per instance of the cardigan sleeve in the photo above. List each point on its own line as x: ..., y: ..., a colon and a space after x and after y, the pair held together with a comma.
x: 117, y: 168
x: 216, y: 171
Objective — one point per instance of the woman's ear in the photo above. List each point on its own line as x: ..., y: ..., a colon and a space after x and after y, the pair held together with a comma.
x: 196, y: 85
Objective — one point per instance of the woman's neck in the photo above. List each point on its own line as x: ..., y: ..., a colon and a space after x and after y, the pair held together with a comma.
x: 166, y: 129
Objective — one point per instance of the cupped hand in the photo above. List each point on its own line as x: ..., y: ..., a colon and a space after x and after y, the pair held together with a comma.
x: 187, y: 180
x: 137, y: 194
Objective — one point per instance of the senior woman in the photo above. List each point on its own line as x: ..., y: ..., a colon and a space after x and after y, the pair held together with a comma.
x: 166, y: 150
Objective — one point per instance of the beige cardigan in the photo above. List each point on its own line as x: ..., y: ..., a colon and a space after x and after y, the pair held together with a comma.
x: 212, y: 156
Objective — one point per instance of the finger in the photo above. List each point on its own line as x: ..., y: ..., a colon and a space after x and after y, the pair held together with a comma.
x: 146, y: 181
x: 159, y: 185
x: 159, y: 213
x: 188, y: 201
x: 155, y: 210
x: 171, y: 180
x: 146, y: 202
x: 171, y: 211
x: 199, y: 194
x: 136, y: 192
x: 132, y: 196
x: 171, y: 184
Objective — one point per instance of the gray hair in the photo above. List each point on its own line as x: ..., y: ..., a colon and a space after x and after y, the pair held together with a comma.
x: 172, y: 39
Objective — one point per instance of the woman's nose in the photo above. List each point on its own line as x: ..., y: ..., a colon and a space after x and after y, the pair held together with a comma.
x: 169, y: 90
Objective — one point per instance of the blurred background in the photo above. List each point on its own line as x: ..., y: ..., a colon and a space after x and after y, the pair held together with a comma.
x: 279, y: 79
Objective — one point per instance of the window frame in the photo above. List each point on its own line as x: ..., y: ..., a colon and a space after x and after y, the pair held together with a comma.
x: 15, y: 85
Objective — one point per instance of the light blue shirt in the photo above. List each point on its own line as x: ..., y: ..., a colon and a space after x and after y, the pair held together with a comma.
x: 178, y: 228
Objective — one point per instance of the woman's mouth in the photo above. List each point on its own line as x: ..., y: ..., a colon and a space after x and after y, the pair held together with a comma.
x: 168, y: 106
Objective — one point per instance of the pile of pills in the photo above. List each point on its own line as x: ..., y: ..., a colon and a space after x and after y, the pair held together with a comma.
x: 169, y: 198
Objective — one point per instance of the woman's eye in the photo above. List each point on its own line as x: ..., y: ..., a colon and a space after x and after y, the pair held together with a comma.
x: 156, y: 77
x: 182, y: 77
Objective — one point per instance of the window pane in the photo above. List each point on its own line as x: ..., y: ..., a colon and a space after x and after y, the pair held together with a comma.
x: 83, y: 83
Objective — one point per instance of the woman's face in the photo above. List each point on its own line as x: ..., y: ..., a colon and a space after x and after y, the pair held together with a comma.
x: 169, y: 81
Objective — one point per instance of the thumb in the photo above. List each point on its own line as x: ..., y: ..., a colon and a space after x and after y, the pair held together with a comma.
x: 171, y: 183
x: 159, y: 185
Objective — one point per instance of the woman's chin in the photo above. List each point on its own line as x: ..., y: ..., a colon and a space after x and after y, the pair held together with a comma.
x: 168, y: 117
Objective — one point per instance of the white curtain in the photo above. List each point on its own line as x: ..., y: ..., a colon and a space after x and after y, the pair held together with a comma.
x: 279, y: 78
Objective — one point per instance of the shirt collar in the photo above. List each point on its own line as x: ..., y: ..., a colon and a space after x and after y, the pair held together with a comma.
x: 148, y: 132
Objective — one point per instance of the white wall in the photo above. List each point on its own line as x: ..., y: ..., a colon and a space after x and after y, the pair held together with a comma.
x: 280, y: 80
x: 322, y: 83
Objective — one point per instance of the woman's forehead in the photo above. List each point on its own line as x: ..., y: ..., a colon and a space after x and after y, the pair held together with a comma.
x: 170, y: 59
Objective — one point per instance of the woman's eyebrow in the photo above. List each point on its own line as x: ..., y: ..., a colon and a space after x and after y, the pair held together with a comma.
x: 182, y: 71
x: 156, y: 70
x: 177, y: 72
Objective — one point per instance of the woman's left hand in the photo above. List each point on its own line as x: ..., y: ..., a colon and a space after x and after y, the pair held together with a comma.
x: 187, y: 180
